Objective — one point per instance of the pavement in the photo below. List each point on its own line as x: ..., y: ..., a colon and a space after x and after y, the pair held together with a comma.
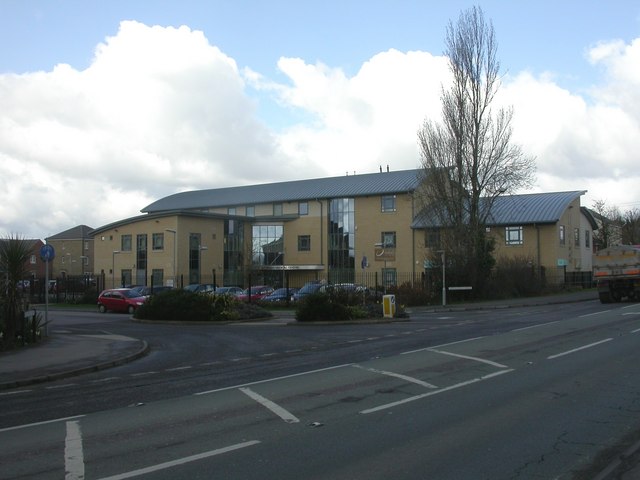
x: 64, y: 354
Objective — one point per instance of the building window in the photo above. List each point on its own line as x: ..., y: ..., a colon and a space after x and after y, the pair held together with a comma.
x: 342, y: 240
x: 432, y: 238
x: 195, y: 247
x: 158, y: 241
x: 125, y: 243
x: 231, y: 211
x: 587, y: 238
x: 86, y: 245
x: 141, y: 259
x: 267, y: 245
x: 561, y: 234
x: 33, y: 260
x: 277, y: 209
x: 303, y: 208
x: 576, y: 237
x: 513, y: 236
x: 388, y: 203
x: 157, y: 276
x: 388, y: 239
x: 304, y: 243
x: 251, y: 211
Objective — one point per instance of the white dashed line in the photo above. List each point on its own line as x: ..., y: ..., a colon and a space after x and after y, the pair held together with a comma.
x: 177, y: 369
x: 73, y: 455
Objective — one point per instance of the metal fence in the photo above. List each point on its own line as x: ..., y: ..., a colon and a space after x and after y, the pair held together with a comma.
x: 421, y: 285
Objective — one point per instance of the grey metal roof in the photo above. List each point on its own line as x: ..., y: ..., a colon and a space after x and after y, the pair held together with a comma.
x: 333, y: 187
x: 516, y: 209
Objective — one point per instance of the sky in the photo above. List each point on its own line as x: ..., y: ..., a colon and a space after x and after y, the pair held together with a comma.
x: 107, y: 106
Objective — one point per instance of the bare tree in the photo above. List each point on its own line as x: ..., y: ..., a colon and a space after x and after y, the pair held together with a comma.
x: 609, y: 220
x: 468, y: 156
x: 631, y: 227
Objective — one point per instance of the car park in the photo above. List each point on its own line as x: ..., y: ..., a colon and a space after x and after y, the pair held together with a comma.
x: 307, y: 289
x: 281, y: 295
x: 146, y: 290
x: 233, y: 291
x: 255, y: 293
x: 120, y: 300
x: 201, y: 287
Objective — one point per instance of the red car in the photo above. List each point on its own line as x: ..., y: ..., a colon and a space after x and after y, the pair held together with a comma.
x: 258, y: 292
x: 120, y: 300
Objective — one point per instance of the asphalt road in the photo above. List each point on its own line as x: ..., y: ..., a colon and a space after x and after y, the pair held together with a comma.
x: 540, y: 392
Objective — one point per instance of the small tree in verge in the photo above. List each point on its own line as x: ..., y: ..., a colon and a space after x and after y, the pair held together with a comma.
x: 14, y: 253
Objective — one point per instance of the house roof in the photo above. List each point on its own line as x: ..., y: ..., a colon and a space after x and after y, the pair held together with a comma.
x: 533, y: 208
x: 75, y: 233
x: 333, y: 187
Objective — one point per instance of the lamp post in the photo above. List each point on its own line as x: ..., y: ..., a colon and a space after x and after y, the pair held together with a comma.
x: 113, y: 268
x: 175, y: 254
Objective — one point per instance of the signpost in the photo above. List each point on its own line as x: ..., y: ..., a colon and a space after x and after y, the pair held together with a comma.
x: 47, y: 254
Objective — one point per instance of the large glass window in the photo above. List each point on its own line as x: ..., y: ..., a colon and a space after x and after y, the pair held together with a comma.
x: 194, y: 257
x: 342, y: 240
x: 267, y: 247
x: 561, y: 234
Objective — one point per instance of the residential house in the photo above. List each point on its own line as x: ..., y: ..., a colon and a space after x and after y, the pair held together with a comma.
x: 73, y: 252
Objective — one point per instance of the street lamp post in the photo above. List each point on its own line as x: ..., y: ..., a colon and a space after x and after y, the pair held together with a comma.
x: 175, y: 254
x: 113, y: 268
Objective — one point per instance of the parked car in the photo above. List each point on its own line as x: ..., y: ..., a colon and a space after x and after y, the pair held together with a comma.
x: 307, y: 289
x: 281, y: 295
x: 120, y: 300
x: 146, y: 290
x: 233, y: 291
x: 256, y: 293
x: 201, y: 287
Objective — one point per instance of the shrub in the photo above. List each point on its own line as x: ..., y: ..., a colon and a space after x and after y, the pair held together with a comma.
x: 183, y: 305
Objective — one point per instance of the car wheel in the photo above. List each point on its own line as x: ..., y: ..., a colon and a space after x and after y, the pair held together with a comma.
x: 131, y: 309
x: 102, y: 309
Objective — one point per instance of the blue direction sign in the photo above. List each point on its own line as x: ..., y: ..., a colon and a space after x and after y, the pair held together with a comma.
x: 47, y: 253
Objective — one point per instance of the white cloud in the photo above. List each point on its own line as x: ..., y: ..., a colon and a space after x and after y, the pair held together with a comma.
x: 161, y: 110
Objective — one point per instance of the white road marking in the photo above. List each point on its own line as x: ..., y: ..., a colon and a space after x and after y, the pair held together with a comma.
x: 181, y: 461
x: 177, y: 369
x: 274, y: 407
x: 632, y: 331
x: 475, y: 359
x: 397, y: 375
x: 73, y: 455
x: 631, y: 313
x: 273, y: 379
x: 436, y: 392
x: 108, y: 379
x: 54, y: 387
x: 208, y: 364
x: 534, y: 326
x: 551, y: 357
x: 37, y: 424
x: 3, y: 394
x: 443, y: 345
x: 143, y: 373
x: 594, y: 313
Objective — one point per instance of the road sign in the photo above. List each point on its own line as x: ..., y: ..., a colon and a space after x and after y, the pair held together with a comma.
x: 47, y: 253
